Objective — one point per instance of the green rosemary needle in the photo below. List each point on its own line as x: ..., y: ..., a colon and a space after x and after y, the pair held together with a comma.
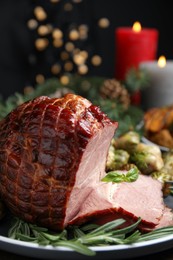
x: 81, y: 239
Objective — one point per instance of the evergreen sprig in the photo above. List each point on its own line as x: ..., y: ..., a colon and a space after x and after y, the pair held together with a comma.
x: 87, y: 87
x: 136, y: 79
x: 81, y: 239
x: 76, y: 238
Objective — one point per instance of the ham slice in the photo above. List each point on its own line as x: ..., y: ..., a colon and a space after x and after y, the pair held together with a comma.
x: 142, y: 198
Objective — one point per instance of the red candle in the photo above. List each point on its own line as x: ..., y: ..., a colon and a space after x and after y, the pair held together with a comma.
x: 134, y: 45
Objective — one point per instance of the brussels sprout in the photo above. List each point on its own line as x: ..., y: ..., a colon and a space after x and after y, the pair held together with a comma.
x: 168, y: 163
x: 116, y: 158
x: 127, y: 142
x: 147, y: 158
x: 162, y: 176
x: 151, y: 149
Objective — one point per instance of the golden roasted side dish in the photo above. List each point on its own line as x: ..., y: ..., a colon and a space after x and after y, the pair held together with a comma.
x: 158, y: 125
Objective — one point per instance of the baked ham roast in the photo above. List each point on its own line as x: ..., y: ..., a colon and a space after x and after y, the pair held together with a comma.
x: 52, y: 155
x: 52, y: 159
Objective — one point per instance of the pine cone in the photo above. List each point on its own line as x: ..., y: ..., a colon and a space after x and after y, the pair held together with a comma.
x: 114, y: 90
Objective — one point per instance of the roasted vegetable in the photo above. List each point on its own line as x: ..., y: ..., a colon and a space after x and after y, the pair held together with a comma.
x: 128, y: 141
x: 151, y: 149
x: 163, y: 138
x: 166, y: 172
x: 116, y: 159
x: 147, y: 158
x: 165, y: 179
x: 162, y: 176
x: 154, y: 119
x: 158, y: 125
x: 127, y: 152
x: 168, y: 163
x: 129, y: 166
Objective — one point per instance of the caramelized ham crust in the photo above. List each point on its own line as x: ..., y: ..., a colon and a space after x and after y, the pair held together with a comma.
x: 52, y: 153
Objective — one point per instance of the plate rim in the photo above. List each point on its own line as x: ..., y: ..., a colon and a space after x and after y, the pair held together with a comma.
x: 164, y: 239
x: 147, y: 141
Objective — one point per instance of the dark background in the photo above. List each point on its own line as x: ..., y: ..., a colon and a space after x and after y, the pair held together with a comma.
x: 17, y: 68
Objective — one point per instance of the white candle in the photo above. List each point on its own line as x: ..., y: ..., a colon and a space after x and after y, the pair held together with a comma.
x: 160, y: 91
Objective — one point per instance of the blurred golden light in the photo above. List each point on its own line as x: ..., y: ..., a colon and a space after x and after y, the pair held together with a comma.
x: 43, y: 30
x: 83, y: 35
x: 40, y: 13
x: 54, y: 1
x: 76, y: 50
x: 82, y: 69
x: 68, y: 66
x: 74, y: 35
x: 103, y: 22
x: 55, y: 69
x: 58, y: 43
x: 77, y: 1
x: 64, y: 80
x: 96, y: 60
x: 78, y: 59
x: 28, y: 90
x: 136, y: 27
x: 50, y: 27
x: 64, y: 55
x: 161, y: 61
x: 57, y: 33
x: 69, y: 46
x: 40, y: 78
x: 32, y: 24
x: 41, y: 43
x: 84, y: 54
x: 83, y: 27
x: 83, y: 31
x: 68, y: 7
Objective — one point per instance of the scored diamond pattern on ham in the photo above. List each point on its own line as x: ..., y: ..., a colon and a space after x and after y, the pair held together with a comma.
x: 52, y: 153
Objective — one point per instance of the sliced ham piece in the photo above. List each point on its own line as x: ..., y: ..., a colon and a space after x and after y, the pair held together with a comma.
x: 165, y: 220
x: 142, y: 198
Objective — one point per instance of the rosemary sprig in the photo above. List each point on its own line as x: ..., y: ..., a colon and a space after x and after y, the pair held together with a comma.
x: 80, y: 239
x: 157, y: 233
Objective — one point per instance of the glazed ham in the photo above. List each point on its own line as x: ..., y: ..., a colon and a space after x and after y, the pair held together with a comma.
x: 52, y: 159
x: 52, y: 155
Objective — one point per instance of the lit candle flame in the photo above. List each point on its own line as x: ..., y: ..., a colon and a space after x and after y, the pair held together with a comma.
x: 161, y: 62
x: 136, y: 27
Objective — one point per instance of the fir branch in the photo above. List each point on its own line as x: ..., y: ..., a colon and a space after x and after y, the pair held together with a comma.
x: 87, y: 87
x: 136, y: 79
